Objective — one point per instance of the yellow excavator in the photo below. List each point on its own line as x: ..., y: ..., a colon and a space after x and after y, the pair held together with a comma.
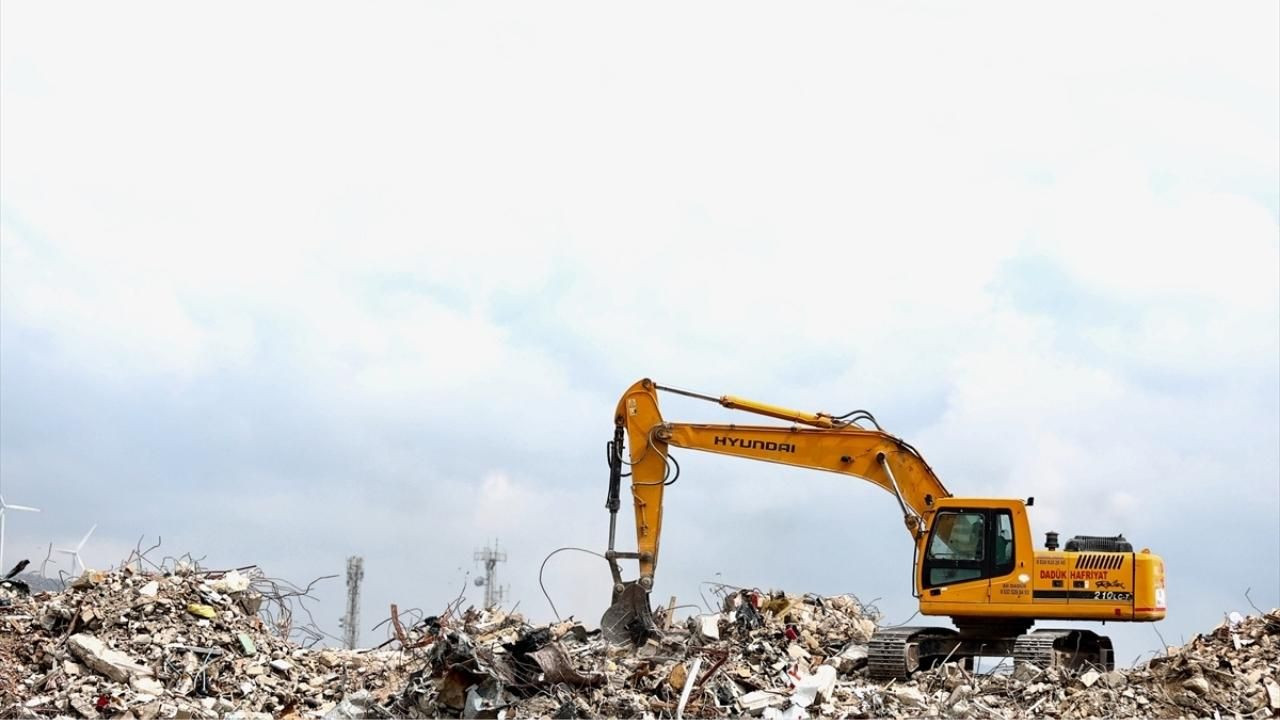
x: 974, y: 561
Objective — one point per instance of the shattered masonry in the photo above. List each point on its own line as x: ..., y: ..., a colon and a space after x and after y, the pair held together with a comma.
x: 193, y: 645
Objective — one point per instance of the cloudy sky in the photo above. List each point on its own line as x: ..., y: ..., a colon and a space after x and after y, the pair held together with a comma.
x: 286, y: 283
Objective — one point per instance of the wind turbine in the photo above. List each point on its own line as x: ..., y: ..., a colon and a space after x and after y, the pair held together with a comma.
x: 75, y: 554
x: 4, y: 508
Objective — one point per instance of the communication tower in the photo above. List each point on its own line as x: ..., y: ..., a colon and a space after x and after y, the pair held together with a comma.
x: 489, y: 557
x: 351, y: 621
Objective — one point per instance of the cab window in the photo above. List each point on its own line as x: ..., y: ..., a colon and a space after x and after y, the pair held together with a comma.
x: 955, y: 551
x: 968, y: 545
x: 958, y: 537
x: 1004, y: 542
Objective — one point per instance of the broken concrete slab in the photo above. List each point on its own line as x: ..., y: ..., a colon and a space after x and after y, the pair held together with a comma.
x: 816, y: 687
x: 754, y: 703
x: 909, y: 696
x: 1113, y: 679
x: 103, y: 660
x: 1197, y: 685
x: 147, y: 685
x: 709, y: 626
x: 1273, y: 693
x: 850, y: 659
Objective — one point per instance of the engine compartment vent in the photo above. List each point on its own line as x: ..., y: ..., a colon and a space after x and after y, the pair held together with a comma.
x: 1098, y: 543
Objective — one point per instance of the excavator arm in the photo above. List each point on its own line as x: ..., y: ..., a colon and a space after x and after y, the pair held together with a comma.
x: 815, y: 440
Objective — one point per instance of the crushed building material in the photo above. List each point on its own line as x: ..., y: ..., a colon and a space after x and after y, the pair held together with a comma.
x: 125, y: 644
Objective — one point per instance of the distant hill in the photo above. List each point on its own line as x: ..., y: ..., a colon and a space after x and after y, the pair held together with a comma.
x: 38, y: 583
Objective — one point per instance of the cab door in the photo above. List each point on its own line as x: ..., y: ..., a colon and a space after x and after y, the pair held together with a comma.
x: 1010, y: 577
x: 957, y: 557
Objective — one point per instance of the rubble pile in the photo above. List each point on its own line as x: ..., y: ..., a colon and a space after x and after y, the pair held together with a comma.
x: 195, y: 645
x: 1232, y: 671
x: 189, y: 645
x: 789, y: 657
x: 762, y: 654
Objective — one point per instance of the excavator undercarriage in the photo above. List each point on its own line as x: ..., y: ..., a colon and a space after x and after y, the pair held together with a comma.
x: 895, y: 653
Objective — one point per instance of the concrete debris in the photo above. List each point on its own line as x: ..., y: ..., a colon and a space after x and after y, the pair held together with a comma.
x: 353, y: 707
x: 106, y: 648
x: 1114, y: 679
x: 709, y: 626
x: 1227, y: 672
x: 115, y: 665
x: 818, y: 685
x: 1273, y: 693
x: 231, y: 582
x: 147, y: 685
x: 124, y: 644
x: 1197, y: 685
x: 756, y: 702
x: 795, y: 712
x: 909, y: 696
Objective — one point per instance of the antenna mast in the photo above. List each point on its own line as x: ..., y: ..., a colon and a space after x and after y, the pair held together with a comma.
x: 351, y: 621
x: 494, y: 593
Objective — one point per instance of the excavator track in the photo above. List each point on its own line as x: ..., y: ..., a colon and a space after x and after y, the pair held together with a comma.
x: 1036, y: 648
x: 895, y: 653
x: 1064, y: 648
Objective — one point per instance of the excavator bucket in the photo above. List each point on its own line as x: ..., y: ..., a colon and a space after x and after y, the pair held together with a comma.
x: 629, y: 619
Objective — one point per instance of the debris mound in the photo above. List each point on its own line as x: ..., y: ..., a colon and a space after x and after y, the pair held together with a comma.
x: 203, y: 645
x: 1230, y: 671
x: 761, y: 653
x: 191, y: 645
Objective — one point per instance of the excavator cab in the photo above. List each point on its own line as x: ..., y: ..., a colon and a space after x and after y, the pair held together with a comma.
x: 974, y: 541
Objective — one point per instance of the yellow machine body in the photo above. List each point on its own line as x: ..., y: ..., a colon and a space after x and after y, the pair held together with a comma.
x: 1044, y: 584
x: 975, y: 560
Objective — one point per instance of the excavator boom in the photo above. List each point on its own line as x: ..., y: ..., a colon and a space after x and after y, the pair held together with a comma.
x: 818, y: 441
